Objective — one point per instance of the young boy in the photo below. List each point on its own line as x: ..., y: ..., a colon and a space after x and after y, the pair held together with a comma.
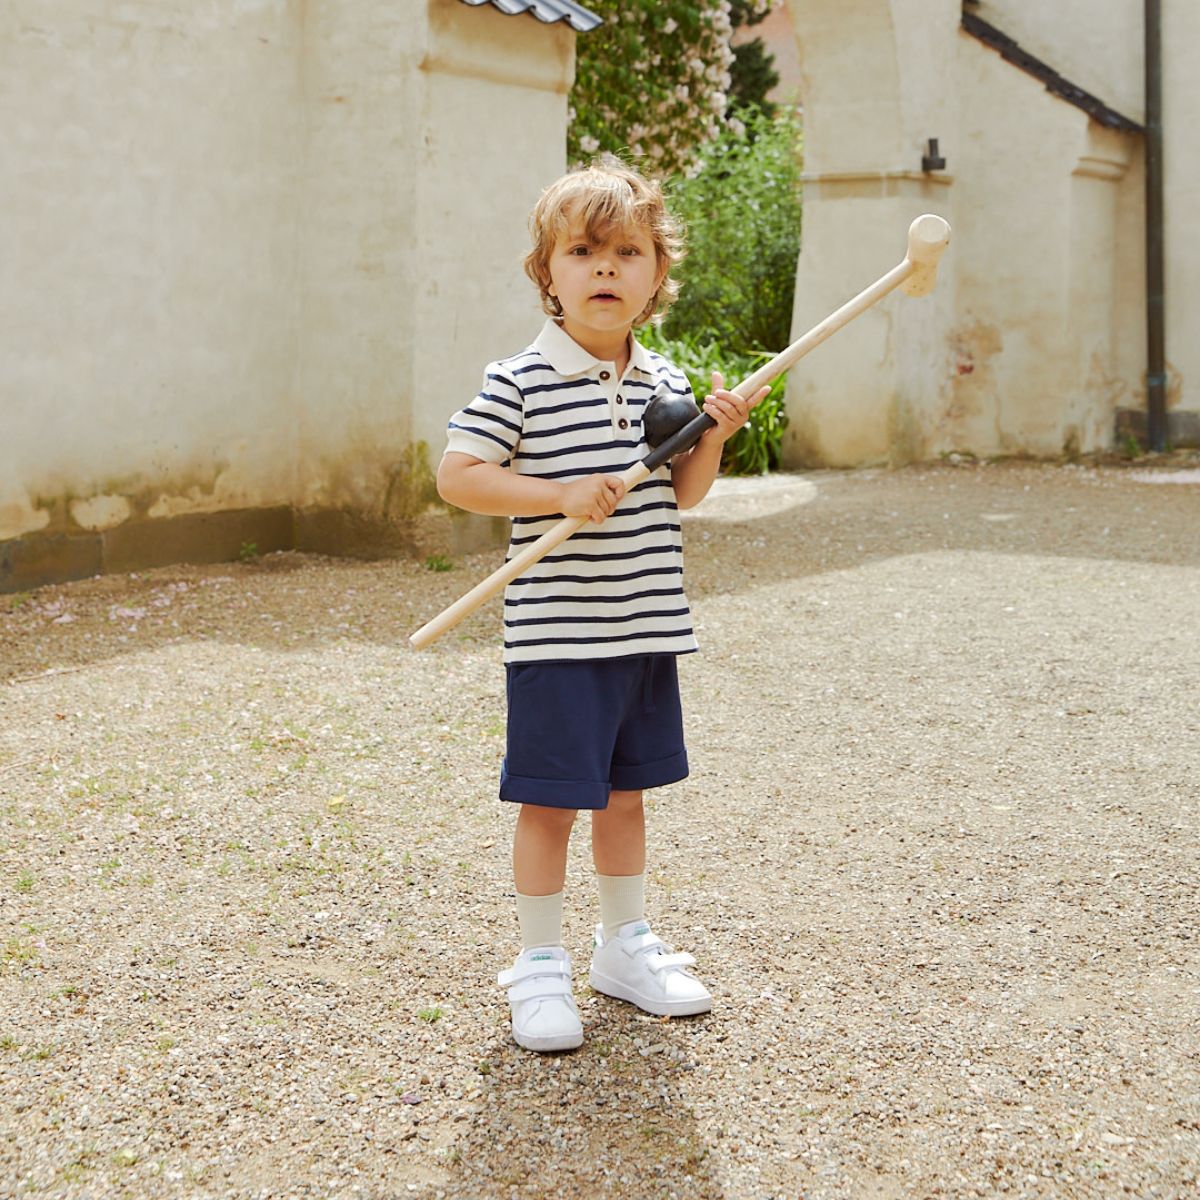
x: 592, y: 630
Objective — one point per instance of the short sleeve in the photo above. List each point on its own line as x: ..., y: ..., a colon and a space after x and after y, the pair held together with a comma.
x: 489, y: 428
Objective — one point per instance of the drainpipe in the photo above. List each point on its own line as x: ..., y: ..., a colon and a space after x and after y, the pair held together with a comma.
x: 1156, y: 375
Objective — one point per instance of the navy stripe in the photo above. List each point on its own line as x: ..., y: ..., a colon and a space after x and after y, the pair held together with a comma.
x: 555, y: 558
x: 481, y: 433
x: 485, y: 416
x: 568, y: 428
x: 513, y: 404
x: 639, y: 616
x: 627, y: 534
x: 579, y: 448
x: 608, y: 598
x: 651, y: 482
x: 649, y: 506
x: 595, y: 402
x: 579, y: 472
x: 557, y: 387
x: 554, y: 579
x: 596, y: 641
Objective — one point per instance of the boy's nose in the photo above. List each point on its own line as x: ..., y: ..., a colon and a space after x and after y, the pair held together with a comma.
x: 605, y: 267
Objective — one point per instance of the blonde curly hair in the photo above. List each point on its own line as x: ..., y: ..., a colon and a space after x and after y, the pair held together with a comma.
x: 604, y: 196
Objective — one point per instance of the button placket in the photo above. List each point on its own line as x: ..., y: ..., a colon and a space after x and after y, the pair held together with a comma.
x: 616, y: 402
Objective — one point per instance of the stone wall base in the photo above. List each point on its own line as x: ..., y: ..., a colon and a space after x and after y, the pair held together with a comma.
x: 1183, y: 427
x: 37, y: 559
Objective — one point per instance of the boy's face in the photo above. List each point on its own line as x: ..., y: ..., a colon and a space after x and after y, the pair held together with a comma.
x: 605, y: 284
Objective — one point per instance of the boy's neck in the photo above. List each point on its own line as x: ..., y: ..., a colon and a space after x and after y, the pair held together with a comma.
x: 614, y: 348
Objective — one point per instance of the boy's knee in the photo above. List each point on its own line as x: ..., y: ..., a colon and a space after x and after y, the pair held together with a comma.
x: 624, y: 801
x: 548, y: 816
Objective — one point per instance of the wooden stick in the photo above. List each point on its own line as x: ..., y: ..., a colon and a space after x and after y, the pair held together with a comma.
x: 928, y: 236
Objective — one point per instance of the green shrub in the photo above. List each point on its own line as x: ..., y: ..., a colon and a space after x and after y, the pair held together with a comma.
x: 756, y: 447
x: 742, y: 211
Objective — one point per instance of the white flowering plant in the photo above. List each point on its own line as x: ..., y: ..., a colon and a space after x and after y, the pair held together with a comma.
x: 652, y: 82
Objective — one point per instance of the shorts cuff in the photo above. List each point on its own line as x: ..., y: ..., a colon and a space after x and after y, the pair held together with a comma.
x: 553, y: 793
x: 631, y: 778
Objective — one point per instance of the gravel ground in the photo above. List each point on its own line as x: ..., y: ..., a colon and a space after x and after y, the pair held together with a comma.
x: 937, y: 860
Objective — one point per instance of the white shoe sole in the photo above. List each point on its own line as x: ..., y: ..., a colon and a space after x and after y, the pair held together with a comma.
x: 660, y: 1008
x: 549, y: 1042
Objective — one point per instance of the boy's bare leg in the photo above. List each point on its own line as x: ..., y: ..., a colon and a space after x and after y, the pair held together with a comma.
x: 619, y: 835
x: 540, y: 849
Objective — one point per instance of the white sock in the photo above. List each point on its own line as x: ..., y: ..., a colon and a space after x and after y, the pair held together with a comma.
x: 540, y: 918
x: 622, y: 899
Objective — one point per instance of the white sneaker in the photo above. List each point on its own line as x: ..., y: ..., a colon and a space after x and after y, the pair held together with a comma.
x: 638, y: 966
x: 544, y: 1016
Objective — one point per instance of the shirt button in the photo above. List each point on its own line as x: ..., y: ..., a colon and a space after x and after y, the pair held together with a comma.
x: 604, y: 375
x: 620, y: 399
x: 622, y: 424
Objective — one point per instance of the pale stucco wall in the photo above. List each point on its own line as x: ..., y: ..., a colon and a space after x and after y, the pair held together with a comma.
x: 254, y: 249
x: 1096, y: 44
x: 865, y: 395
x: 1181, y: 167
x: 1099, y: 46
x: 504, y: 89
x: 147, y: 285
x: 1036, y: 332
x: 426, y: 155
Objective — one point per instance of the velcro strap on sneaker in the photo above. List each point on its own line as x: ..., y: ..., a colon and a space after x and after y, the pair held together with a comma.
x: 528, y: 968
x: 540, y: 987
x: 669, y: 962
x: 641, y: 943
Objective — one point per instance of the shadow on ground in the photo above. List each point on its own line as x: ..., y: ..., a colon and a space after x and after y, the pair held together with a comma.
x: 838, y: 522
x: 610, y: 1119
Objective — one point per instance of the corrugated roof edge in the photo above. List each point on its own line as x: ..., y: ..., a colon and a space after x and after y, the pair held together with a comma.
x: 1055, y: 83
x: 546, y: 11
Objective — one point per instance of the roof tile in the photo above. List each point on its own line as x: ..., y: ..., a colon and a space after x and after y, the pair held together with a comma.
x: 547, y: 11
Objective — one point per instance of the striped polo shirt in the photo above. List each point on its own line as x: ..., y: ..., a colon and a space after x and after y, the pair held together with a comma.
x: 609, y: 591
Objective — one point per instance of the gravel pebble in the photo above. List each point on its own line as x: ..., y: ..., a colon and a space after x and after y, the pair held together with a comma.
x: 936, y: 858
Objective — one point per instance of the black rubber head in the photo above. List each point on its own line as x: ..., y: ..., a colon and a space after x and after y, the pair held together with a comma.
x: 666, y: 416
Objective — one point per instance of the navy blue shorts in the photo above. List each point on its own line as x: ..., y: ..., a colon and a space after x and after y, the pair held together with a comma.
x: 578, y: 730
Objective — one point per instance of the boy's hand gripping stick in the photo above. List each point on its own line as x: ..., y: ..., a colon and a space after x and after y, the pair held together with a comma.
x: 928, y: 236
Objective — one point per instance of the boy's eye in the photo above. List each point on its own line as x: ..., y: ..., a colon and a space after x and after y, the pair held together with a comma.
x: 630, y: 250
x: 580, y: 250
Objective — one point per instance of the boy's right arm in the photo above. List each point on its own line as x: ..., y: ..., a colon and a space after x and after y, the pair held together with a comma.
x: 488, y: 488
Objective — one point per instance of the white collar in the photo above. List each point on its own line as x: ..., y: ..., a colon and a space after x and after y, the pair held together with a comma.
x: 569, y: 358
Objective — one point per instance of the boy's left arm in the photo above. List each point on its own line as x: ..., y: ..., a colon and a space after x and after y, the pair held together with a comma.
x: 692, y: 474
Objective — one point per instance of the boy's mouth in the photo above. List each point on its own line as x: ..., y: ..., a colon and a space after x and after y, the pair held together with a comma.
x: 605, y: 296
